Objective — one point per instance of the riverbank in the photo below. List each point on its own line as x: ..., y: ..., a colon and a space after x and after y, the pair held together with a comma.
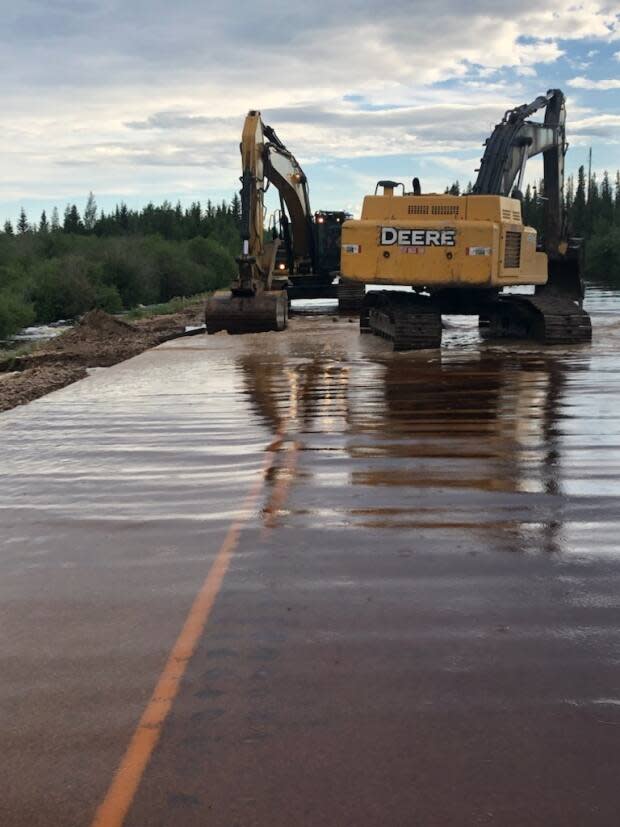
x: 98, y: 340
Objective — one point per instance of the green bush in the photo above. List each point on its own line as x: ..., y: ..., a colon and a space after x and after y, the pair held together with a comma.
x: 15, y: 314
x: 108, y: 298
x: 15, y: 276
x: 215, y: 258
x: 130, y: 268
x: 603, y: 257
x: 64, y: 288
x: 178, y: 275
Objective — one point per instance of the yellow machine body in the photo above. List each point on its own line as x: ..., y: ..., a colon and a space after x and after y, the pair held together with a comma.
x: 438, y: 241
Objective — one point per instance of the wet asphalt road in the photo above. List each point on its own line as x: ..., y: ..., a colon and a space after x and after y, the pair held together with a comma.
x: 420, y: 621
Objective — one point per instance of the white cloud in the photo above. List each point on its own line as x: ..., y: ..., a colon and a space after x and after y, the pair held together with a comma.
x: 587, y: 83
x: 148, y: 97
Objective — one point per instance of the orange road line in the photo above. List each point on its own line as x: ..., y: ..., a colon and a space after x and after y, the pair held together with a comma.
x: 120, y: 795
x: 281, y: 487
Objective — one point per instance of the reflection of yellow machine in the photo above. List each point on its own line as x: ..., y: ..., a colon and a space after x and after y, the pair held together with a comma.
x: 458, y: 252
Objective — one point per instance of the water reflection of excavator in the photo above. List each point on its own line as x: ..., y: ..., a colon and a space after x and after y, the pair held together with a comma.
x: 458, y: 253
x: 301, y: 260
x: 404, y: 425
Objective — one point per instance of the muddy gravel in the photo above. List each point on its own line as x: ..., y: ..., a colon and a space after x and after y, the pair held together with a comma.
x: 98, y: 340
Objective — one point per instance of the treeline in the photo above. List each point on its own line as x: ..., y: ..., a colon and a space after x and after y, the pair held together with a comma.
x: 592, y: 213
x: 55, y: 269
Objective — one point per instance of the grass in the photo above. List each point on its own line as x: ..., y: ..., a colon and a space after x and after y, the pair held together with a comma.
x: 9, y: 354
x: 175, y: 305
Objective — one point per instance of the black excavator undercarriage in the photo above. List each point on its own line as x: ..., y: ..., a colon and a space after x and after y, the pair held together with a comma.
x: 413, y: 322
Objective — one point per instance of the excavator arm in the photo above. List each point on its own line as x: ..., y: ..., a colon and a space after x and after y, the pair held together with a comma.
x: 265, y: 161
x: 513, y: 141
x: 516, y: 139
x: 283, y: 170
x: 257, y: 259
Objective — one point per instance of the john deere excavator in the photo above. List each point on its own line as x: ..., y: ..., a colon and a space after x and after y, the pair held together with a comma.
x: 458, y: 253
x: 302, y: 258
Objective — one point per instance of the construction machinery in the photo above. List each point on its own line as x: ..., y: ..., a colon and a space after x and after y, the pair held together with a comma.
x: 458, y: 253
x: 301, y: 256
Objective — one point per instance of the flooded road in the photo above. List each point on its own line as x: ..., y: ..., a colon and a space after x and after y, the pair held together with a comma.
x: 370, y: 588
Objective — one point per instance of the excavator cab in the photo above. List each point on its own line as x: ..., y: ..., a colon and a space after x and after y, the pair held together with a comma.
x: 328, y: 239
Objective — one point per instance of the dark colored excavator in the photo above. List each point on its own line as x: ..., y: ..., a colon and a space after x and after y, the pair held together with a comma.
x: 301, y: 259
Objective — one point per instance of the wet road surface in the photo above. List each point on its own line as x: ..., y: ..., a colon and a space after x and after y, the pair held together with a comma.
x: 415, y: 619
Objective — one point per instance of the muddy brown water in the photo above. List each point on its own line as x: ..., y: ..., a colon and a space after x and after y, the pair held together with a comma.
x: 420, y: 623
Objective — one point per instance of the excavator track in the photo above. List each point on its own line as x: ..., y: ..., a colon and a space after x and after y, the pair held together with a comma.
x: 350, y: 295
x: 410, y: 322
x: 263, y: 311
x: 549, y: 318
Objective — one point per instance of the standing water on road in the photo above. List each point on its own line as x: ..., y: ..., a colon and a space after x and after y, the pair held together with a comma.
x: 419, y: 619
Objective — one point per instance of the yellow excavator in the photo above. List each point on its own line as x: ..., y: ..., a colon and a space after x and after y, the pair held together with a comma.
x: 301, y: 259
x: 458, y: 253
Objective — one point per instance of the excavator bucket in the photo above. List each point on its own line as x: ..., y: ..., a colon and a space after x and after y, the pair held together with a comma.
x: 565, y: 276
x: 264, y: 310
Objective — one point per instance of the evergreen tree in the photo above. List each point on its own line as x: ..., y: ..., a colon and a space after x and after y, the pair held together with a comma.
x: 193, y: 218
x: 235, y: 209
x: 55, y: 225
x: 123, y: 217
x: 526, y: 207
x: 90, y: 213
x: 594, y: 204
x: 578, y: 218
x: 607, y: 205
x: 72, y: 222
x: 8, y: 228
x: 569, y: 196
x: 43, y: 223
x: 22, y: 224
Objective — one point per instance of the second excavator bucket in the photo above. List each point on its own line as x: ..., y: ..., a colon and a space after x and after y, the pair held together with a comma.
x: 262, y: 311
x: 565, y: 275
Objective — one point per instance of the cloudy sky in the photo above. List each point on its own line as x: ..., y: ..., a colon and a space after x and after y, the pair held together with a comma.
x: 145, y: 99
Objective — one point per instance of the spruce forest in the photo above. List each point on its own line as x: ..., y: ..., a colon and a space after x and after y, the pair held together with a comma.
x: 60, y: 267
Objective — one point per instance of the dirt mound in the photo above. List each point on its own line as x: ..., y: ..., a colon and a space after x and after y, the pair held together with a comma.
x: 96, y: 326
